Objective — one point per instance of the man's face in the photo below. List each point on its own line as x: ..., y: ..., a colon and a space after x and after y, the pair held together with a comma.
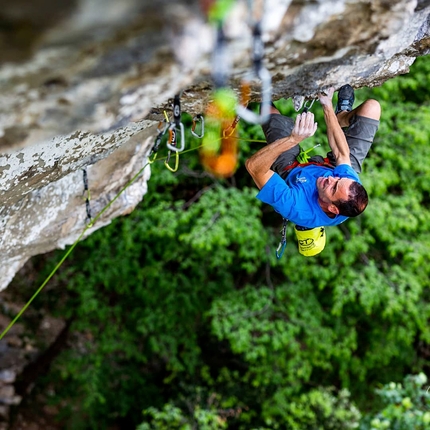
x: 331, y: 189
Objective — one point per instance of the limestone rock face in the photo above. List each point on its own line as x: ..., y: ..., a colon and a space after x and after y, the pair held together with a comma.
x: 83, y: 84
x: 60, y: 206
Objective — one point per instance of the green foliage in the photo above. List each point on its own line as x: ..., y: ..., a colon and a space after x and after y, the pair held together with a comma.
x: 407, y: 406
x: 171, y: 417
x: 269, y: 329
x: 141, y: 287
x: 181, y: 308
x: 318, y: 409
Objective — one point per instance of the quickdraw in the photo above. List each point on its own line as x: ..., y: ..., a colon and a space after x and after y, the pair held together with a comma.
x: 307, y: 105
x: 175, y: 126
x: 261, y: 73
x: 172, y: 143
x: 89, y: 218
x: 218, y: 153
x: 161, y: 128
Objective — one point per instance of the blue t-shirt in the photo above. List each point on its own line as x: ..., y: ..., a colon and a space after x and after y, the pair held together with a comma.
x: 296, y: 198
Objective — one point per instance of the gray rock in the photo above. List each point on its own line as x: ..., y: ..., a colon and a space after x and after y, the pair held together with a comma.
x: 83, y: 84
x: 7, y: 392
x: 4, y: 416
x: 7, y: 376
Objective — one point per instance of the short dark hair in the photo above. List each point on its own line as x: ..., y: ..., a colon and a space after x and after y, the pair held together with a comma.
x: 357, y: 202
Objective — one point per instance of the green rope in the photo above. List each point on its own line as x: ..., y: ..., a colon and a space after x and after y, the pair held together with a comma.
x: 303, y: 156
x: 44, y: 283
x: 89, y: 225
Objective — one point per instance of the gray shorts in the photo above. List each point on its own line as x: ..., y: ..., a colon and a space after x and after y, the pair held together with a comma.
x: 359, y: 135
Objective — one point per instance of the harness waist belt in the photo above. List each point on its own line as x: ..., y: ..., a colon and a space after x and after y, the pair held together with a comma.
x: 326, y: 163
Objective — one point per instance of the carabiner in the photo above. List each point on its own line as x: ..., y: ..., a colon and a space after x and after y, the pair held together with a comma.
x: 280, y: 249
x: 307, y: 106
x: 166, y: 162
x: 231, y: 128
x: 196, y: 119
x: 266, y: 99
x: 175, y: 125
x: 171, y: 144
x: 177, y: 109
x: 161, y: 132
x: 245, y: 96
x: 283, y: 243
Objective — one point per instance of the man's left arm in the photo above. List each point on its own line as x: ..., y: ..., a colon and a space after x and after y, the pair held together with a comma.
x: 259, y: 165
x: 335, y: 135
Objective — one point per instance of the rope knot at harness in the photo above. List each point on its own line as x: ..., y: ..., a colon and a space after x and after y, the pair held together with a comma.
x: 303, y: 156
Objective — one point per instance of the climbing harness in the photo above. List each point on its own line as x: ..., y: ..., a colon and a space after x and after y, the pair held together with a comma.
x: 302, y: 159
x: 283, y: 242
x: 87, y: 196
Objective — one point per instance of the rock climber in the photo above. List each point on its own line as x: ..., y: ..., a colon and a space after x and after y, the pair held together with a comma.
x: 324, y: 191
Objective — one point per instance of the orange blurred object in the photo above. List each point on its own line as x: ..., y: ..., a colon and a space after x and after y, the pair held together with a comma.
x: 222, y: 164
x: 219, y: 153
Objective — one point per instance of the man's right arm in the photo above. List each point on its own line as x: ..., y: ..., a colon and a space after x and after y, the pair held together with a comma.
x: 335, y: 135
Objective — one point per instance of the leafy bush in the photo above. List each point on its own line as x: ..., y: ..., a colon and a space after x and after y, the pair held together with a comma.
x: 407, y: 406
x: 181, y: 308
x: 171, y: 417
